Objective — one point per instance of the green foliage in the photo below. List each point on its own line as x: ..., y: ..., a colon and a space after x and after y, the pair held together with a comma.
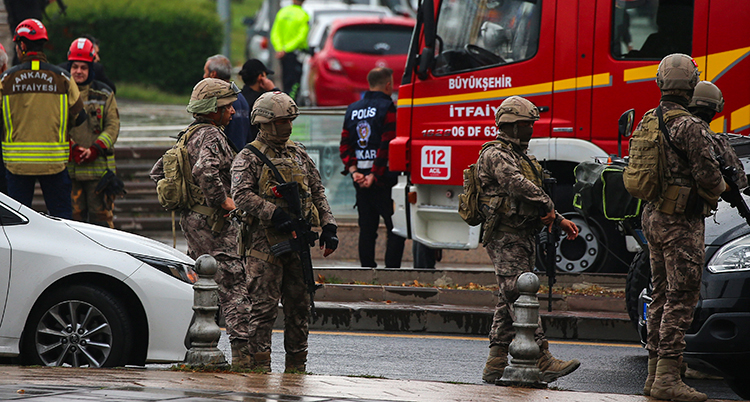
x: 163, y: 43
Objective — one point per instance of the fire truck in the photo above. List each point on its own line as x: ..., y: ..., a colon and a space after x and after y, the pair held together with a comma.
x: 583, y: 63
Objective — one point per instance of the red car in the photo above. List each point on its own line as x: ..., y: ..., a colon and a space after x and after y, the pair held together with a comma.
x: 353, y: 47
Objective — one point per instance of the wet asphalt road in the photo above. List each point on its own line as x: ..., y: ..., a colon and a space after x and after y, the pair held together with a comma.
x: 605, y: 367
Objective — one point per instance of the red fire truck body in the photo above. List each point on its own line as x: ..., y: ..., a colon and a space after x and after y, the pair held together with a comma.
x: 582, y: 62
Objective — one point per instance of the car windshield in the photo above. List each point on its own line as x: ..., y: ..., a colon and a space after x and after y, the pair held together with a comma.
x: 373, y: 39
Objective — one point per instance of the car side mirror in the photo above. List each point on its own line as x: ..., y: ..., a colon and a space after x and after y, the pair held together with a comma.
x: 625, y: 128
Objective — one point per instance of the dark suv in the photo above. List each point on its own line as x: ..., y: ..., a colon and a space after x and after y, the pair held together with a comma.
x: 718, y: 341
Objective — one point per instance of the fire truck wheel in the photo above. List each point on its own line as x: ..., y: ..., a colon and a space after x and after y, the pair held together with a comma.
x: 584, y: 254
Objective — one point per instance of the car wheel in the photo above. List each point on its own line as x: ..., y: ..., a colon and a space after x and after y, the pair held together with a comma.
x: 78, y: 326
x: 740, y: 386
x: 639, y: 278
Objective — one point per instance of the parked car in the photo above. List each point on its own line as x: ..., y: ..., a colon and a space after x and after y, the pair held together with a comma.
x: 717, y: 341
x: 258, y: 45
x: 74, y: 294
x: 354, y: 46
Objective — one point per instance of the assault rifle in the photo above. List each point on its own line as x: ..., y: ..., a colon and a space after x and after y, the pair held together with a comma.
x: 548, y: 242
x: 303, y: 237
x: 732, y: 194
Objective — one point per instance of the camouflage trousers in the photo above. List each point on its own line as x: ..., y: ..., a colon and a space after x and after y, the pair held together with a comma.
x: 677, y: 252
x: 512, y: 255
x: 269, y: 284
x: 88, y: 206
x: 230, y: 275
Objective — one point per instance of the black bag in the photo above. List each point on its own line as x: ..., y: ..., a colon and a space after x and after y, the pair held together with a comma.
x: 110, y: 185
x: 600, y: 191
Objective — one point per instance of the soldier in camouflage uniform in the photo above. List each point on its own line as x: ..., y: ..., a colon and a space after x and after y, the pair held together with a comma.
x: 675, y: 230
x: 517, y: 209
x: 274, y: 278
x: 204, y: 226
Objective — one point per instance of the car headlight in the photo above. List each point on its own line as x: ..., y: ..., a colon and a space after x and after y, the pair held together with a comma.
x: 179, y: 270
x: 732, y: 257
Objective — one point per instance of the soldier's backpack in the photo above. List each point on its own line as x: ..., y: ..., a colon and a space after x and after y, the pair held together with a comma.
x: 177, y: 190
x: 469, y: 203
x: 645, y: 177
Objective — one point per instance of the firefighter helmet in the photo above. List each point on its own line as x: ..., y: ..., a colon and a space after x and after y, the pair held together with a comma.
x: 677, y: 71
x: 31, y: 29
x: 82, y: 49
x: 708, y: 95
x: 516, y: 108
x: 272, y: 106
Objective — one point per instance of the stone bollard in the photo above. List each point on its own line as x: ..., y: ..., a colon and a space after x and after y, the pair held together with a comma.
x: 204, y: 334
x: 522, y: 370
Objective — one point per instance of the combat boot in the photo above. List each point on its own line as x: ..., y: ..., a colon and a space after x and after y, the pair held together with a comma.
x: 668, y: 385
x: 553, y: 368
x: 496, y: 363
x: 295, y: 362
x: 262, y: 362
x: 241, y: 357
x: 651, y: 375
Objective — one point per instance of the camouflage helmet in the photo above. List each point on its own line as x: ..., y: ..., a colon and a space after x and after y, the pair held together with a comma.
x: 708, y: 95
x: 516, y: 108
x: 677, y: 71
x: 210, y: 94
x: 272, y: 106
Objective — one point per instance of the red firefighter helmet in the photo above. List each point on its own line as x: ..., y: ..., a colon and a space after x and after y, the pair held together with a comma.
x: 31, y: 29
x: 81, y: 50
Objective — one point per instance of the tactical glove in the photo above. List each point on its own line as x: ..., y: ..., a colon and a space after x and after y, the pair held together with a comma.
x: 281, y: 221
x: 328, y: 237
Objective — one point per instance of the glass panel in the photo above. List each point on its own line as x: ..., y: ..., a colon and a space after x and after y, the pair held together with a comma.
x: 320, y: 131
x: 373, y: 39
x: 643, y: 29
x: 477, y: 33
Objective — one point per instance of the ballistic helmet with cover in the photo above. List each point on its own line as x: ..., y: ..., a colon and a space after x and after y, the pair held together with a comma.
x: 210, y: 94
x: 516, y: 108
x: 708, y: 95
x: 677, y: 71
x: 272, y: 106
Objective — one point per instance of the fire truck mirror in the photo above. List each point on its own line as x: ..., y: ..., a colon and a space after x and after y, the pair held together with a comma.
x: 626, y: 123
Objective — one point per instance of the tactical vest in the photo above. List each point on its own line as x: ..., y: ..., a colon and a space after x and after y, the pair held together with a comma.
x: 291, y: 171
x: 364, y: 121
x: 532, y: 171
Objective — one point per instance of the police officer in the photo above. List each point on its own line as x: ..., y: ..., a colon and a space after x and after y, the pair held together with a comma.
x: 274, y: 278
x: 92, y: 149
x: 210, y: 157
x: 676, y: 236
x: 369, y: 126
x: 289, y: 38
x: 518, y: 209
x: 40, y: 100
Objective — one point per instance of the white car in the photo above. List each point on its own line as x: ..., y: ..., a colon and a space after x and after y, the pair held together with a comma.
x: 75, y: 294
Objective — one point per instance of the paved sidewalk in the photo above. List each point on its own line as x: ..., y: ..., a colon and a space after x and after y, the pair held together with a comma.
x: 70, y: 384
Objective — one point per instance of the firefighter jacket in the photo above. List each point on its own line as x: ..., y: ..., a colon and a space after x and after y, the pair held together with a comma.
x: 369, y: 127
x: 102, y: 127
x: 290, y: 28
x: 38, y: 100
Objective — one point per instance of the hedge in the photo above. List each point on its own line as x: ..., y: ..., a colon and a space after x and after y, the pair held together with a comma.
x: 163, y: 43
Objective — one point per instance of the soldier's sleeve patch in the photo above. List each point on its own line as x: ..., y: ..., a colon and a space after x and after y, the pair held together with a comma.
x: 214, y: 148
x: 236, y: 178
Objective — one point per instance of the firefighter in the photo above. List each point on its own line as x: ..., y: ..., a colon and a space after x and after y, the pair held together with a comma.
x: 507, y: 171
x: 92, y: 149
x: 278, y: 278
x: 675, y: 233
x: 38, y: 101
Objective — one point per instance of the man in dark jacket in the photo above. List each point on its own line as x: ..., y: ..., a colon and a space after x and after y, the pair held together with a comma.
x: 255, y: 76
x: 369, y: 126
x: 219, y: 66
